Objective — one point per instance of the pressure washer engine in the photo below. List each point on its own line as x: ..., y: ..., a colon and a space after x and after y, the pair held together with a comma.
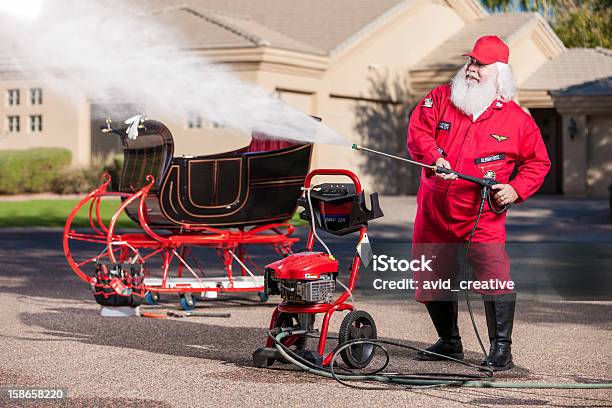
x: 306, y: 280
x: 310, y: 277
x: 307, y: 277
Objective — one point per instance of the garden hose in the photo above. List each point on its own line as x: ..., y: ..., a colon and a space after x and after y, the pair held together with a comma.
x: 407, y: 380
x: 483, y: 195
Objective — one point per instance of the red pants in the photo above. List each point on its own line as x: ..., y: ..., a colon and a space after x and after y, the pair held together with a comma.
x: 443, y: 223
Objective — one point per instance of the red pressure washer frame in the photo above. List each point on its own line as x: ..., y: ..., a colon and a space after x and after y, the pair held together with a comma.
x: 119, y: 247
x: 327, y: 308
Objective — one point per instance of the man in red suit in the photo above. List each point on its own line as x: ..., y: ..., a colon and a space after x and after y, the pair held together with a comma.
x: 473, y: 126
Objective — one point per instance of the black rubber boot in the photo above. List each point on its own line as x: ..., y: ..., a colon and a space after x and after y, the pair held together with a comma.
x: 444, y: 317
x: 499, y: 311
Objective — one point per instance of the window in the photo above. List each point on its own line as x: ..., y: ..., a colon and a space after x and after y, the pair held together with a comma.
x: 36, y: 96
x: 12, y: 97
x: 35, y: 123
x: 13, y: 123
x: 194, y: 121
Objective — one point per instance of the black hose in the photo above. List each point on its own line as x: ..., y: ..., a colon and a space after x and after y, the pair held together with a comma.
x: 484, y: 194
x: 411, y: 381
x: 494, y: 208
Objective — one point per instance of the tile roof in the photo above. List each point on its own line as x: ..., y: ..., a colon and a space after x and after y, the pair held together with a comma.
x: 199, y: 30
x: 573, y: 67
x: 202, y: 28
x: 449, y: 54
x: 599, y: 87
x: 318, y: 26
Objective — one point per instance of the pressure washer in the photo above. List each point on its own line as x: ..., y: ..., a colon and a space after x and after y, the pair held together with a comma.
x: 305, y: 281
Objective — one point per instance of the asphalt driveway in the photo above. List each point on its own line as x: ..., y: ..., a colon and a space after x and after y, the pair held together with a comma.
x: 53, y: 336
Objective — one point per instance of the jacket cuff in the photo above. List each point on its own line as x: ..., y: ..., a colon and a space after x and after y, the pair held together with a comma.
x: 432, y: 156
x: 521, y: 190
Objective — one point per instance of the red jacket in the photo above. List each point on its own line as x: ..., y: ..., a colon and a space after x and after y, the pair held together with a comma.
x: 502, y: 136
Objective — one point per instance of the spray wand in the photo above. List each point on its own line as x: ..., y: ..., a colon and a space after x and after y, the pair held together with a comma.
x: 485, y: 182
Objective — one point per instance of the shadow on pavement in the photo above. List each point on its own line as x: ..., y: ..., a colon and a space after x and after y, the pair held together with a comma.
x: 591, y: 314
x: 232, y: 345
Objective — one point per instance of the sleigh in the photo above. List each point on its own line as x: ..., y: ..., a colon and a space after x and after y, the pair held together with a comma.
x: 227, y: 202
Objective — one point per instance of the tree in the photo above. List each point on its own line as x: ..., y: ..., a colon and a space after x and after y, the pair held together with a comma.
x: 578, y: 23
x: 589, y: 24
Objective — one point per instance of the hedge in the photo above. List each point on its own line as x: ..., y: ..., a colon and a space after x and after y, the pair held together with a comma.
x: 31, y: 170
x: 80, y: 180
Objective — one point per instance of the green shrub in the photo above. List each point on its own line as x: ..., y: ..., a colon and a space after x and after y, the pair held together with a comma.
x: 81, y: 180
x: 31, y: 170
x: 48, y: 170
x: 75, y: 181
x: 114, y: 167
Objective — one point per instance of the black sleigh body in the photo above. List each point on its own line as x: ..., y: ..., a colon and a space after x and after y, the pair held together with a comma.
x: 237, y: 189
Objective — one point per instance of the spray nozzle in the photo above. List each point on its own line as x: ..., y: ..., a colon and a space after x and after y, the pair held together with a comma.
x: 108, y: 127
x: 356, y: 146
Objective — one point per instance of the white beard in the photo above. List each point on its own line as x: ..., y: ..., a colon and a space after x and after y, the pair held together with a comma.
x: 471, y: 97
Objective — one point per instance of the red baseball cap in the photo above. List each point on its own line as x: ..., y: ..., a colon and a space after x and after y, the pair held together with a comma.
x: 489, y: 49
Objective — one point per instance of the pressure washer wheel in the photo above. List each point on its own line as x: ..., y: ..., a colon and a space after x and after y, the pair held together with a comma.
x: 357, y: 324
